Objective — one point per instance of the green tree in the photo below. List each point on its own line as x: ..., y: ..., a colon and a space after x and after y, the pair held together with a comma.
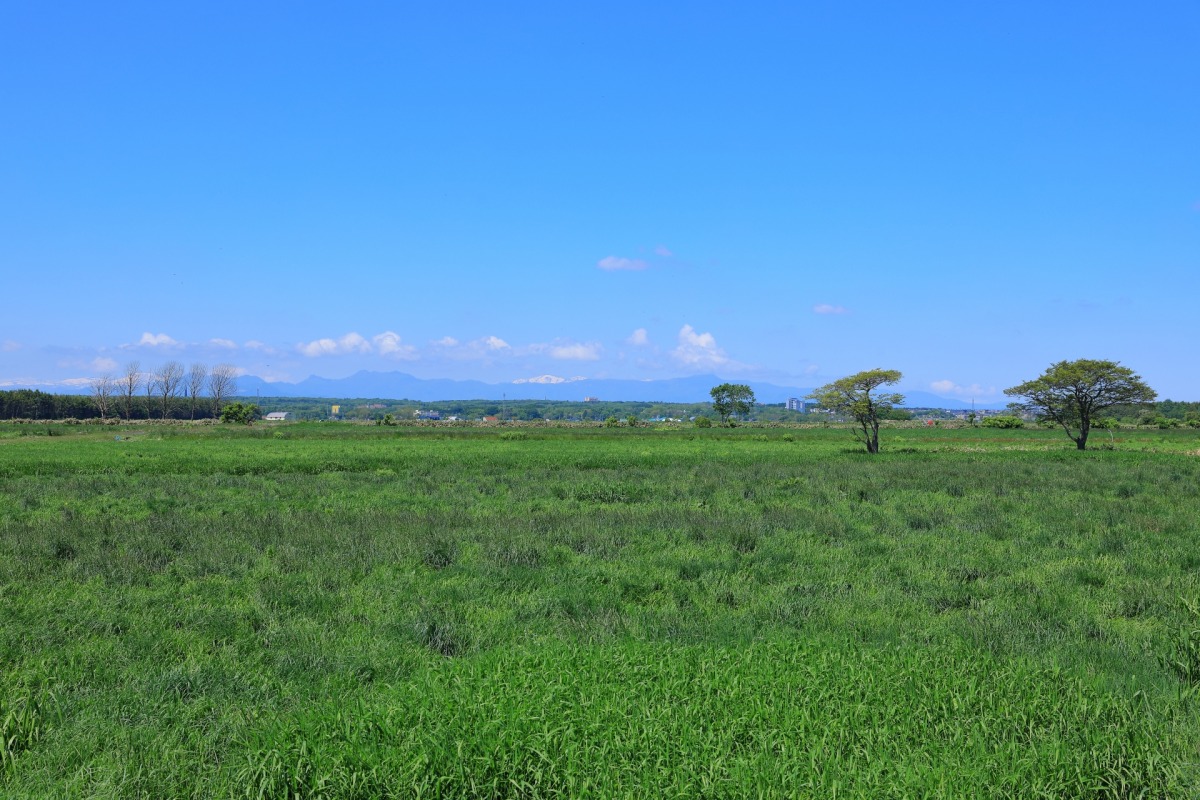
x: 241, y: 413
x: 1071, y: 393
x: 731, y: 398
x: 852, y: 396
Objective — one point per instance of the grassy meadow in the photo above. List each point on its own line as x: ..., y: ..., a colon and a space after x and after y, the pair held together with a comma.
x: 343, y: 611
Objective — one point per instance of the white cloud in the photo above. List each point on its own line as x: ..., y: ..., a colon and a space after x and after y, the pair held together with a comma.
x: 318, y: 347
x: 388, y: 343
x: 225, y: 344
x: 350, y: 343
x: 614, y: 263
x: 698, y: 349
x: 576, y: 351
x: 639, y: 338
x: 9, y: 346
x: 974, y: 390
x: 826, y: 308
x: 663, y: 251
x: 484, y: 348
x: 103, y: 364
x: 157, y: 340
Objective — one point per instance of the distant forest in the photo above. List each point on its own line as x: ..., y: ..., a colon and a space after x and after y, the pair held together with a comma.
x: 32, y: 404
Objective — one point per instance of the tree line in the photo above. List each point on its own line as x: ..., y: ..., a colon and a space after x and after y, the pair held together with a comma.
x: 169, y: 391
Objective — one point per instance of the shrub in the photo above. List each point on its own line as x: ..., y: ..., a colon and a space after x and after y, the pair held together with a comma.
x: 1003, y: 422
x: 703, y: 422
x: 241, y: 413
x: 612, y: 422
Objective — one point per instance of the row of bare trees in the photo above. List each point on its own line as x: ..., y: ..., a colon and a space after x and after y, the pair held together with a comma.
x: 163, y: 385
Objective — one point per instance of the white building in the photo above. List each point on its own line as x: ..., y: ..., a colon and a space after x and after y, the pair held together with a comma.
x: 796, y: 404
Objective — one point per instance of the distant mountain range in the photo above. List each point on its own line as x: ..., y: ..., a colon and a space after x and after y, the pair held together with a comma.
x: 402, y: 386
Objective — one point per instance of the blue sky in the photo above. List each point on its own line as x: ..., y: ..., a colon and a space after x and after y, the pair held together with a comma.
x: 790, y: 192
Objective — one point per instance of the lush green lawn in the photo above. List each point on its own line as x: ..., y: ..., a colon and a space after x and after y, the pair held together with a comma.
x: 343, y: 611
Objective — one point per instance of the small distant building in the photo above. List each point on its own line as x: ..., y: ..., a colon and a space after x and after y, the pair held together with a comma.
x: 276, y: 416
x: 427, y: 414
x: 796, y: 404
x: 591, y: 399
x: 491, y: 418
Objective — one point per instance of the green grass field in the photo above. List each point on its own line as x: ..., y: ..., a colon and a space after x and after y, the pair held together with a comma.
x: 355, y: 612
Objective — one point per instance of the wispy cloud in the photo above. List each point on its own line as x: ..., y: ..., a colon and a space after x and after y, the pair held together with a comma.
x: 576, y: 351
x: 9, y: 346
x: 974, y: 390
x: 262, y: 347
x: 663, y: 251
x: 445, y: 341
x: 224, y: 344
x: 350, y: 343
x: 616, y: 263
x: 639, y: 338
x: 698, y: 349
x: 826, y: 308
x: 104, y: 364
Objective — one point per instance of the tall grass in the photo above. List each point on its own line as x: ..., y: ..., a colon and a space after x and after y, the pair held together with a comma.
x: 348, y: 611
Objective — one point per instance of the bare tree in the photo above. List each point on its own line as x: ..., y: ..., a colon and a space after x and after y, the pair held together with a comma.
x: 103, y: 389
x: 167, y: 380
x: 151, y: 387
x: 196, y: 378
x: 128, y: 386
x: 222, y: 384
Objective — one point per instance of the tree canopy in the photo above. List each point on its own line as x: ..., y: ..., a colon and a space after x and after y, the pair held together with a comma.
x: 1071, y: 393
x: 731, y: 398
x: 852, y: 396
x: 240, y: 413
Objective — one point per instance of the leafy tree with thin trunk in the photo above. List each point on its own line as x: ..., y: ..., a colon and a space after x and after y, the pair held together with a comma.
x: 852, y: 396
x: 102, y: 393
x: 167, y: 380
x: 197, y: 377
x: 1072, y: 393
x: 731, y: 398
x: 222, y: 384
x: 131, y: 381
